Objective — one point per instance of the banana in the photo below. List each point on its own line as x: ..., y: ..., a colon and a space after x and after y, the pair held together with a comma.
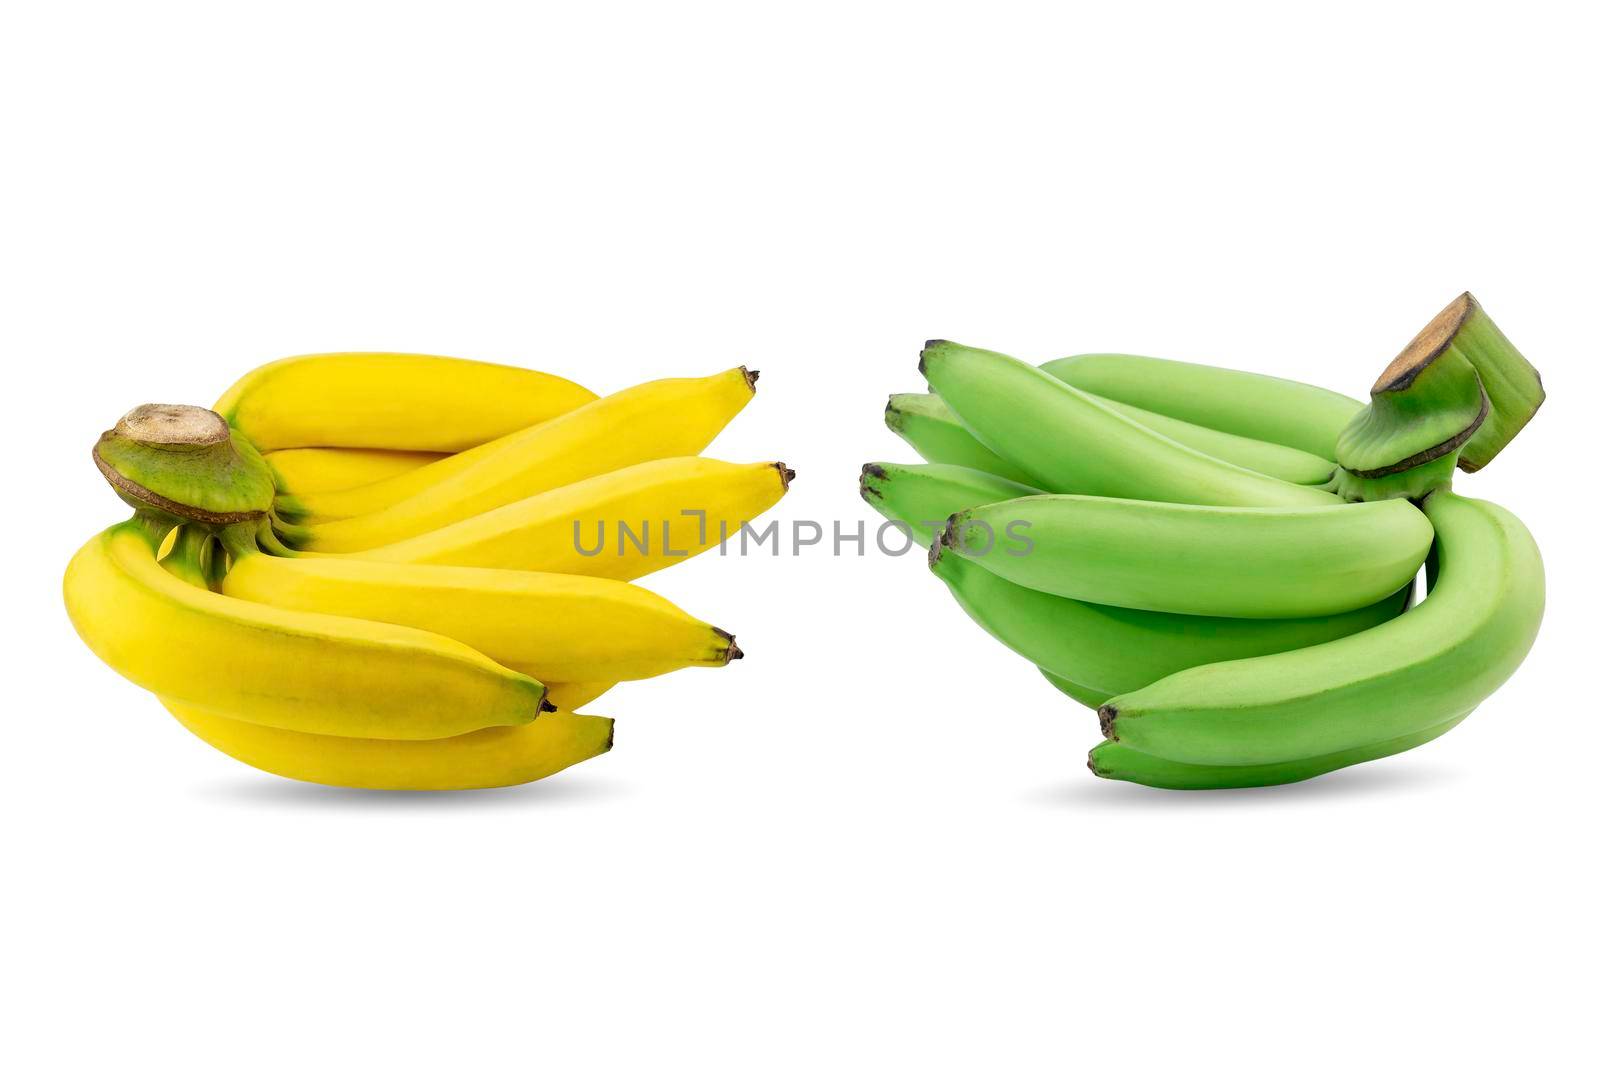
x: 1115, y: 650
x: 621, y: 525
x: 498, y: 756
x: 277, y: 667
x: 1257, y: 406
x: 923, y: 496
x: 316, y: 470
x: 391, y: 400
x: 927, y: 424
x: 1089, y: 698
x: 656, y: 420
x: 555, y: 627
x: 323, y: 506
x: 1430, y: 665
x: 1069, y: 442
x: 1256, y: 563
x: 933, y: 430
x: 1111, y: 760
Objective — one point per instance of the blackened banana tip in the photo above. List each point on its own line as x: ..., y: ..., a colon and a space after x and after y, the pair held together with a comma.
x: 871, y: 470
x: 545, y: 706
x: 751, y: 377
x: 1108, y: 719
x: 786, y: 473
x: 733, y: 650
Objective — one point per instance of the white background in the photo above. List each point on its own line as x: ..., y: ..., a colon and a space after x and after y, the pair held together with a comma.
x: 873, y: 840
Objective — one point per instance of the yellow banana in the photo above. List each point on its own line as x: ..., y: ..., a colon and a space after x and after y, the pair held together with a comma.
x: 276, y: 667
x: 670, y: 417
x: 499, y: 756
x: 322, y: 507
x: 392, y: 400
x: 620, y: 525
x: 316, y: 470
x: 555, y: 627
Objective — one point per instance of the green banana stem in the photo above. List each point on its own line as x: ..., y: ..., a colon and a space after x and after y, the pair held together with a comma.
x: 1426, y: 404
x: 1455, y: 396
x: 265, y: 538
x: 1513, y: 385
x: 185, y: 462
x: 1413, y: 484
x: 152, y: 525
x: 195, y: 557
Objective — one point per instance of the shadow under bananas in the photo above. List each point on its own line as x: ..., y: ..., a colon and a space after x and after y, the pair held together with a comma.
x: 263, y: 791
x: 1380, y: 778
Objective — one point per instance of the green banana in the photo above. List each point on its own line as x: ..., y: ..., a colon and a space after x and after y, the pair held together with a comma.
x: 928, y: 425
x: 927, y: 422
x: 1068, y: 442
x: 1089, y: 698
x: 1250, y: 405
x: 1111, y: 760
x: 1414, y: 672
x: 1118, y: 650
x: 1257, y: 563
x: 922, y: 496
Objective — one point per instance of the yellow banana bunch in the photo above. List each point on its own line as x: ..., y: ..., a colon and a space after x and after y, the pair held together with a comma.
x: 450, y: 610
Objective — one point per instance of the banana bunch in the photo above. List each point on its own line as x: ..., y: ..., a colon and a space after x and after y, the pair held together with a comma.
x: 409, y: 572
x: 1222, y: 564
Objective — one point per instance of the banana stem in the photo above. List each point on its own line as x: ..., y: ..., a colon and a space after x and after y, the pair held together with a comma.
x: 185, y: 462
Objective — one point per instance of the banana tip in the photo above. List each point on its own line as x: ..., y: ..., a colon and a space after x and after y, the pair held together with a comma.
x: 751, y: 377
x: 1108, y: 720
x: 872, y: 470
x: 733, y: 650
x: 545, y: 706
x: 785, y: 472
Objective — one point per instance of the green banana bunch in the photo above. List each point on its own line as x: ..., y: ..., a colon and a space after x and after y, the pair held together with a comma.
x: 1164, y: 551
